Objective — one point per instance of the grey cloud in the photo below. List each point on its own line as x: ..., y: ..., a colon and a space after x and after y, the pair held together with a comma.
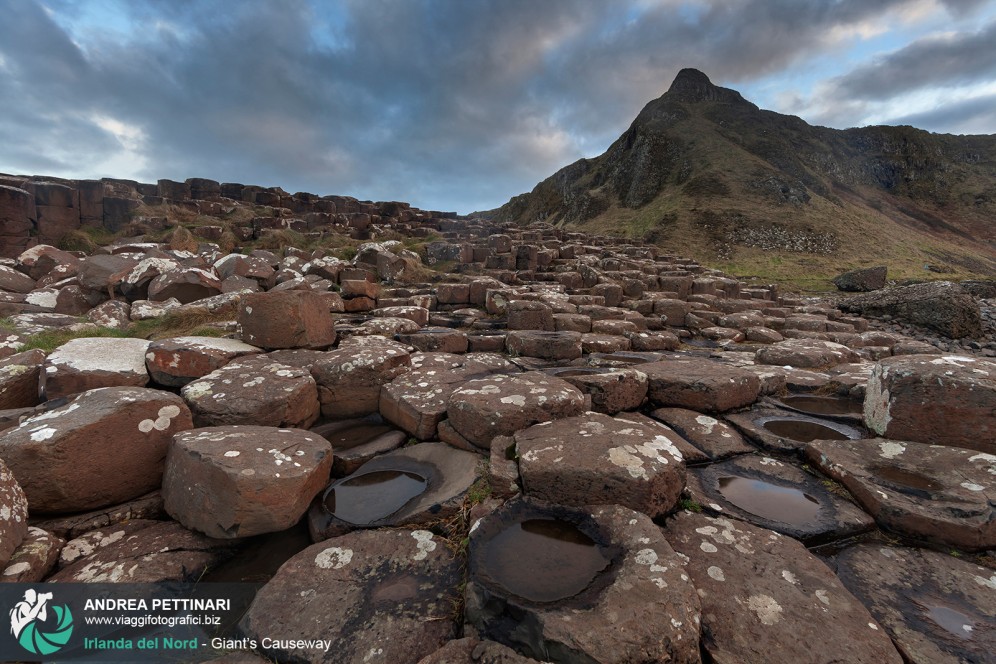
x: 972, y: 116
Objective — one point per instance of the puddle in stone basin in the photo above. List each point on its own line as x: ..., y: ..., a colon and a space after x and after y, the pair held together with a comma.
x: 770, y: 501
x: 951, y: 620
x: 372, y: 496
x: 818, y: 405
x: 802, y: 431
x: 906, y: 478
x: 358, y: 435
x: 574, y: 373
x: 543, y: 560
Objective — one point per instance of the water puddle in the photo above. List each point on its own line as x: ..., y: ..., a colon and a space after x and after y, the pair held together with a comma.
x: 952, y: 621
x: 906, y: 478
x: 822, y: 405
x: 770, y: 501
x: 370, y: 497
x: 573, y: 373
x: 360, y: 434
x: 543, y: 560
x: 803, y: 431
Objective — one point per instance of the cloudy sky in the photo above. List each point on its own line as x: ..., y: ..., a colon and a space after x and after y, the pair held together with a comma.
x: 449, y: 104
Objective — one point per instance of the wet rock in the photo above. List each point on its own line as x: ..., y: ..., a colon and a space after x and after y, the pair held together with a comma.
x: 240, y: 481
x: 286, y: 319
x: 501, y: 405
x: 415, y: 485
x: 19, y: 379
x: 786, y: 431
x: 254, y: 390
x: 594, y: 459
x: 13, y: 513
x: 34, y: 558
x: 350, y: 379
x: 805, y: 353
x: 946, y: 400
x: 936, y: 608
x: 841, y: 408
x: 940, y: 306
x: 700, y: 384
x: 179, y: 360
x: 521, y: 592
x: 354, y: 442
x: 776, y: 495
x: 762, y: 593
x: 106, y: 446
x: 939, y: 494
x: 88, y: 363
x: 163, y: 552
x: 611, y: 390
x: 378, y: 595
x: 544, y: 345
x: 94, y: 540
x: 862, y: 280
x: 716, y: 439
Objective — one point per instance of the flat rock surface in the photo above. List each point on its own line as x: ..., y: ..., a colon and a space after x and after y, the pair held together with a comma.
x: 700, y: 384
x: 179, y: 360
x: 940, y: 494
x: 764, y: 595
x: 715, y: 438
x: 379, y: 595
x: 350, y: 378
x: 805, y: 354
x: 91, y: 362
x: 937, y: 609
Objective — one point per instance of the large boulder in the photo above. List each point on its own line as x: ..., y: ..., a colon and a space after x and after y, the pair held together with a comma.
x: 19, y: 379
x: 941, y: 306
x: 179, y: 360
x: 91, y: 362
x: 862, y: 280
x: 350, y: 378
x: 286, y: 319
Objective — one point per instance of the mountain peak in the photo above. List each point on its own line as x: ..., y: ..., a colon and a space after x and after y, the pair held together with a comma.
x: 691, y: 85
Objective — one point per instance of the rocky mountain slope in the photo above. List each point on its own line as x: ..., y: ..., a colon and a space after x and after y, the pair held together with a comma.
x: 705, y: 172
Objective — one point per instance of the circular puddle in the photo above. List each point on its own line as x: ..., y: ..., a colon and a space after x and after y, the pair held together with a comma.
x: 364, y: 499
x: 906, y: 478
x: 803, y: 431
x: 823, y: 405
x: 770, y: 501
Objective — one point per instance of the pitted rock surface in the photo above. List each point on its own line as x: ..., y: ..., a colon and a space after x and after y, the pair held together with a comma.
x: 240, y: 481
x: 180, y: 360
x: 940, y: 494
x: 493, y: 406
x: 945, y: 400
x: 763, y: 593
x: 91, y: 362
x: 782, y: 430
x: 13, y: 513
x: 350, y: 378
x: 593, y: 459
x: 700, y: 384
x: 379, y: 595
x: 105, y: 447
x: 937, y: 609
x: 254, y: 390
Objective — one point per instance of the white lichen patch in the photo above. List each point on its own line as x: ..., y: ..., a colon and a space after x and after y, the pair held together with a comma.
x: 334, y: 557
x: 515, y: 399
x: 45, y: 433
x: 424, y: 544
x: 971, y: 486
x: 823, y: 596
x: 890, y: 450
x: 716, y: 573
x: 790, y: 577
x: 877, y: 402
x: 708, y: 547
x: 767, y: 610
x: 708, y: 423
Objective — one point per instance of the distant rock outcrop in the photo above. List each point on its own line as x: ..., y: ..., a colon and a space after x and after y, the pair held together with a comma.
x: 863, y: 280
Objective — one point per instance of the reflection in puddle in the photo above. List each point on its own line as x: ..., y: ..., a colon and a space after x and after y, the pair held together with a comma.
x: 358, y: 435
x: 373, y: 496
x: 770, y: 501
x: 543, y: 560
x: 906, y: 478
x: 802, y: 430
x: 821, y: 405
x: 952, y: 621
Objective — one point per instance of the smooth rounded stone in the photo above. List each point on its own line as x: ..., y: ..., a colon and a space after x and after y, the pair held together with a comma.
x: 149, y: 506
x: 805, y: 354
x: 643, y: 341
x: 474, y: 651
x: 715, y: 438
x: 254, y: 390
x: 786, y: 431
x: 608, y: 561
x: 764, y: 335
x: 13, y: 513
x: 350, y: 379
x: 611, y: 390
x: 94, y: 540
x: 378, y: 595
x: 700, y: 384
x: 436, y: 339
x: 19, y: 379
x: 105, y: 447
x: 603, y: 343
x: 544, y: 345
x: 13, y: 281
x: 414, y: 485
x: 34, y: 558
x: 186, y: 285
x: 354, y: 442
x: 41, y: 259
x: 493, y: 406
x: 936, y: 608
x: 179, y: 360
x: 594, y: 459
x: 776, y: 495
x: 946, y: 400
x: 763, y: 593
x: 165, y: 551
x: 935, y: 493
x: 91, y: 362
x: 286, y: 319
x: 240, y: 481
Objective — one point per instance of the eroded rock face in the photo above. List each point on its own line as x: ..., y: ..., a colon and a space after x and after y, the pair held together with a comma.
x: 105, y: 447
x: 762, y: 593
x: 937, y: 609
x: 88, y: 363
x: 946, y: 400
x: 378, y: 595
x: 619, y: 565
x: 940, y: 494
x: 611, y: 390
x: 593, y: 459
x: 286, y: 319
x: 700, y: 384
x: 240, y: 481
x: 862, y: 280
x: 19, y: 379
x: 940, y: 306
x: 13, y: 513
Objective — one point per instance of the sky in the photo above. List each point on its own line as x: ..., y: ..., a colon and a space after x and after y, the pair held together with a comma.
x: 453, y: 105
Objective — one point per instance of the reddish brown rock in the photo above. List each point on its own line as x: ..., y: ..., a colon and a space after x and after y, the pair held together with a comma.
x: 652, y: 341
x: 593, y: 459
x: 611, y: 389
x: 382, y: 595
x: 19, y: 379
x: 473, y: 651
x: 187, y: 285
x: 287, y: 319
x: 17, y: 210
x: 544, y: 345
x: 104, y: 272
x: 113, y: 314
x: 529, y: 315
x: 34, y: 558
x: 717, y: 439
x: 350, y: 379
x: 42, y: 259
x: 501, y: 405
x: 13, y: 513
x: 149, y: 506
x: 91, y: 362
x: 946, y: 400
x: 94, y: 540
x: 436, y: 339
x: 700, y: 384
x: 14, y: 281
x: 254, y: 390
x: 419, y: 315
x: 805, y: 353
x: 240, y: 481
x: 105, y: 447
x: 763, y: 593
x: 603, y: 343
x: 179, y: 360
